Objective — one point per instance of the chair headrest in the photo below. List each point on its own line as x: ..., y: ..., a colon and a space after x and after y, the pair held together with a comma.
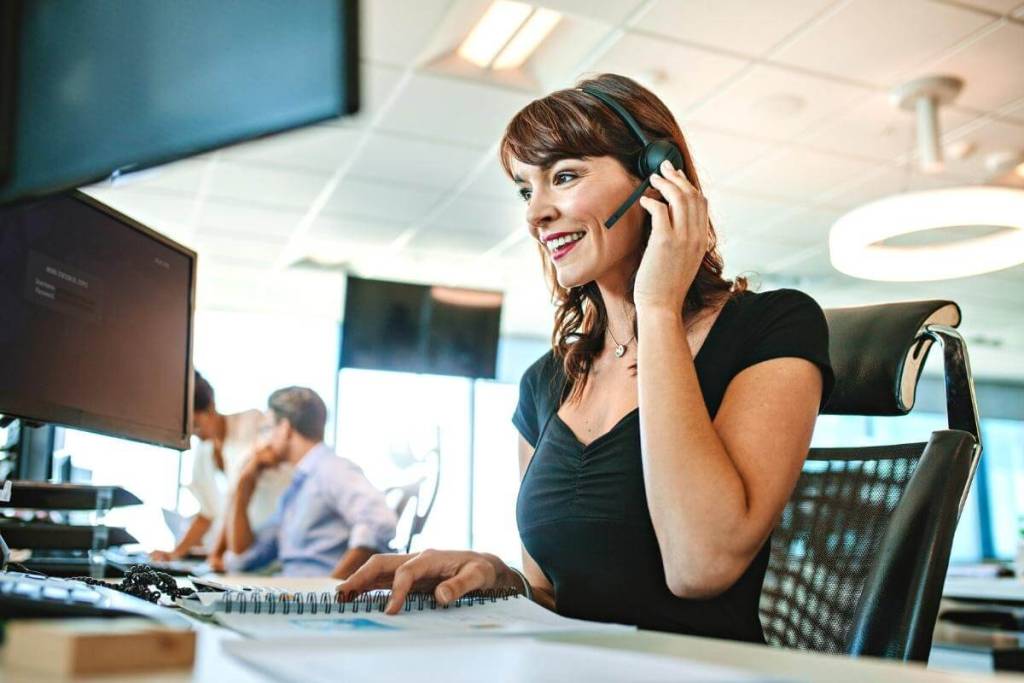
x: 877, y: 356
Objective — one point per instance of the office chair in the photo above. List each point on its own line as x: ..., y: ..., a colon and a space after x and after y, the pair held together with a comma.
x: 859, y: 559
x: 413, y: 493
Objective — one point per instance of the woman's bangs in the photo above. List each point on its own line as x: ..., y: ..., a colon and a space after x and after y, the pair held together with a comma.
x: 548, y: 130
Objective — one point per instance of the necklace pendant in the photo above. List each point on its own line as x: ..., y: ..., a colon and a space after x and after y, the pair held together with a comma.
x: 620, y: 351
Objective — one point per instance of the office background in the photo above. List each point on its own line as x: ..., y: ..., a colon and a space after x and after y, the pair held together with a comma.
x: 786, y: 107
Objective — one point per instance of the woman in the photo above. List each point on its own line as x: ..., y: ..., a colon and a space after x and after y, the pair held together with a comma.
x: 663, y: 433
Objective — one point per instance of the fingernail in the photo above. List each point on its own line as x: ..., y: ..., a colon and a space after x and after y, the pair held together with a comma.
x: 444, y: 594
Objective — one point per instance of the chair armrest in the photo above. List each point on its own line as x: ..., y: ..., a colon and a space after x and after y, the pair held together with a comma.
x: 897, y: 609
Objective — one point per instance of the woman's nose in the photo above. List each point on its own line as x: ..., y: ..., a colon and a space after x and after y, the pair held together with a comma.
x: 540, y: 212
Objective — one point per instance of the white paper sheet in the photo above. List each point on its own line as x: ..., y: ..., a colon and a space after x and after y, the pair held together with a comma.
x: 513, y: 616
x: 458, y: 660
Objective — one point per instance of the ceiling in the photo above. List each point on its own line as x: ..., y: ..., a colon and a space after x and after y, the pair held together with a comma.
x: 784, y: 104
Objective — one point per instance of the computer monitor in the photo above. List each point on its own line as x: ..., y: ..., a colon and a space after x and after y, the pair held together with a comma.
x: 95, y: 321
x: 88, y: 89
x: 405, y: 327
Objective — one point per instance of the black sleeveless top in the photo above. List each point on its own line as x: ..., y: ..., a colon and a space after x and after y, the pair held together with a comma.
x: 582, y: 511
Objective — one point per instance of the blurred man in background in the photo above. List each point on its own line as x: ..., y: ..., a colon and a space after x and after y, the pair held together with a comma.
x: 329, y: 521
x: 226, y: 443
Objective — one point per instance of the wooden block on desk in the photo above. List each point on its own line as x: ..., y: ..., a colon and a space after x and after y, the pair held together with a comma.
x: 95, y: 646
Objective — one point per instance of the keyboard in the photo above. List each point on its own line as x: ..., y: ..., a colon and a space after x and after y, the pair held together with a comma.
x: 37, y: 596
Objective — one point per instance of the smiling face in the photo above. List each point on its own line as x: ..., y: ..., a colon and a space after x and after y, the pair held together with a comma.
x: 567, y: 205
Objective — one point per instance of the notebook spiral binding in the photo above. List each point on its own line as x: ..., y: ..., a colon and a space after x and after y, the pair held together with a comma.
x: 326, y: 603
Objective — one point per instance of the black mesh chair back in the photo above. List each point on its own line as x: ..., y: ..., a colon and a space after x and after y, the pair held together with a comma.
x: 860, y: 555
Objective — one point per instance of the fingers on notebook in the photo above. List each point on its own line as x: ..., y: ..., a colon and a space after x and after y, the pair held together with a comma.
x: 406, y: 576
x: 377, y: 572
x: 473, y: 575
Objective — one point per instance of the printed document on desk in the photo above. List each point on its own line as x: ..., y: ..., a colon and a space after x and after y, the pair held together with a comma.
x: 511, y: 616
x: 465, y: 660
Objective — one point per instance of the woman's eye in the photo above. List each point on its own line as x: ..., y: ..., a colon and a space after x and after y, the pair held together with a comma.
x: 524, y: 194
x: 564, y: 177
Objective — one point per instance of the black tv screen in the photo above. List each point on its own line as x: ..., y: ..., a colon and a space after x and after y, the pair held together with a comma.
x: 95, y: 321
x: 427, y: 329
x: 91, y: 87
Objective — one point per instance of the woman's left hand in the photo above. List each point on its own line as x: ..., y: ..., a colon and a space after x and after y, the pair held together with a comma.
x: 678, y: 242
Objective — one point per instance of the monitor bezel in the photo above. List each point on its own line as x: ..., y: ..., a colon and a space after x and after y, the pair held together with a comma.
x: 105, y: 425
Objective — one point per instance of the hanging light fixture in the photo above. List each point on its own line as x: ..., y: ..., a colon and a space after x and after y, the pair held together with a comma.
x: 857, y: 240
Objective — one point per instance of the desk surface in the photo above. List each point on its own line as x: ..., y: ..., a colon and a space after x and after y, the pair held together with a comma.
x: 213, y: 665
x: 1006, y: 590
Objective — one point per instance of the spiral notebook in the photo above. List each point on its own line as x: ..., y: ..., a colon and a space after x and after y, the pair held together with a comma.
x: 269, y: 614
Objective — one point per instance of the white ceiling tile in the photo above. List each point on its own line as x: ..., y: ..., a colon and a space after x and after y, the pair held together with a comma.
x: 218, y: 249
x: 809, y: 266
x: 688, y: 74
x: 807, y: 227
x: 441, y: 237
x: 566, y: 55
x: 990, y: 67
x: 382, y: 200
x: 995, y: 6
x: 876, y: 40
x: 798, y: 174
x: 404, y: 159
x: 182, y: 176
x: 287, y: 188
x: 316, y: 148
x: 356, y: 230
x: 875, y: 129
x: 246, y: 219
x: 455, y: 110
x: 884, y: 181
x: 719, y: 154
x: 608, y: 11
x: 491, y: 181
x: 740, y: 26
x: 395, y: 31
x: 754, y: 256
x: 738, y: 216
x: 378, y: 82
x: 773, y: 103
x: 482, y: 215
x: 988, y: 137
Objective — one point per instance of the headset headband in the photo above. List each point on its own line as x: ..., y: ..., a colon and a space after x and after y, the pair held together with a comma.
x: 626, y: 117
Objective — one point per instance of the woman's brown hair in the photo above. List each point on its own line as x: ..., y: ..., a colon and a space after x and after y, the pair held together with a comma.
x: 570, y: 124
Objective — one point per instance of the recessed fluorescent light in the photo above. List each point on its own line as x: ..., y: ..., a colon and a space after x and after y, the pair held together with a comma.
x: 522, y: 45
x: 499, y: 23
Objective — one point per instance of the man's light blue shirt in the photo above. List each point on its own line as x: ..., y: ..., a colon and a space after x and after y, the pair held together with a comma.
x: 329, y: 507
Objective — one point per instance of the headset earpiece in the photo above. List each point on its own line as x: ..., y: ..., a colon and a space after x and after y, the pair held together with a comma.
x: 656, y: 152
x: 648, y: 161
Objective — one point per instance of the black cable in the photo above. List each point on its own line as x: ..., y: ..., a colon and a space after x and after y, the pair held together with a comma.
x: 144, y: 582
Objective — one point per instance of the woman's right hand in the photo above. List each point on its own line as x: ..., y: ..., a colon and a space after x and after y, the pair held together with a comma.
x: 449, y: 574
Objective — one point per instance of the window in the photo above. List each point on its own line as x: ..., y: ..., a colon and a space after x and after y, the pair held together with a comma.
x: 245, y: 356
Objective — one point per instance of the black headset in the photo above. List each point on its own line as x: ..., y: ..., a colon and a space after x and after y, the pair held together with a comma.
x: 648, y: 160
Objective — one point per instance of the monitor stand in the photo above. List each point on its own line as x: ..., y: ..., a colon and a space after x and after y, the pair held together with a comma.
x: 33, y: 445
x: 5, y: 552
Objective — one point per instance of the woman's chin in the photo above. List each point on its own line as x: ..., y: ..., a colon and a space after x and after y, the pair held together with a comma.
x: 570, y: 278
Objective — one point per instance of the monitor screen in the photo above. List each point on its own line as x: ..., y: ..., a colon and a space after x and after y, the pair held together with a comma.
x: 90, y: 88
x: 95, y: 321
x: 420, y: 328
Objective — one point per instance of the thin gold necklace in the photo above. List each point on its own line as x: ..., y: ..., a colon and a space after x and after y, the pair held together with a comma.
x: 620, y: 349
